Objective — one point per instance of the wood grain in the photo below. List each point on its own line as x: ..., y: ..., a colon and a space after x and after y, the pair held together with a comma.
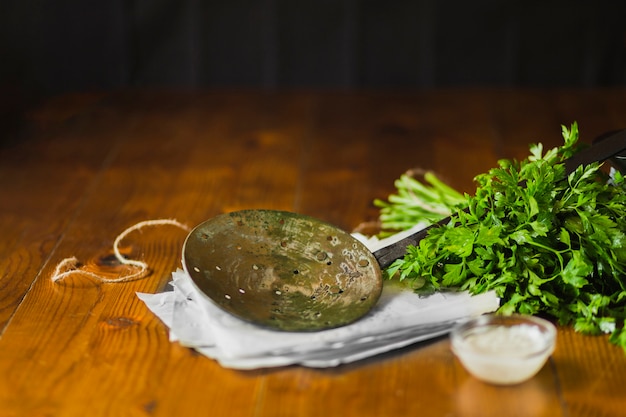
x: 85, y: 167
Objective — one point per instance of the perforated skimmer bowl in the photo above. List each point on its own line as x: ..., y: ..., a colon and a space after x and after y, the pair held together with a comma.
x: 283, y: 270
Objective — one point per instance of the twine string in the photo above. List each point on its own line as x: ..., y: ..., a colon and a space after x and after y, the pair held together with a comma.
x: 71, y: 266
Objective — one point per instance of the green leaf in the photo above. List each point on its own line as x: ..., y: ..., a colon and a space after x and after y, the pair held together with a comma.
x: 489, y: 235
x: 564, y: 237
x: 521, y: 236
x: 455, y: 273
x: 618, y: 337
x: 576, y: 270
x: 533, y: 207
x: 459, y: 241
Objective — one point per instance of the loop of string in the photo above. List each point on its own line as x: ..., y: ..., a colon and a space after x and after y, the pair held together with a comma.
x: 71, y: 266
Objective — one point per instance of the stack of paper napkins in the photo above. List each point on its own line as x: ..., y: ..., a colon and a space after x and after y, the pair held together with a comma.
x: 400, y: 318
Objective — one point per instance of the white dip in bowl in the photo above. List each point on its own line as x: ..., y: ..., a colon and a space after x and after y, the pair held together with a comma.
x: 503, y: 350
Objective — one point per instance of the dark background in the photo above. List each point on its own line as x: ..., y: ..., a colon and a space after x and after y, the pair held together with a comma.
x: 56, y: 46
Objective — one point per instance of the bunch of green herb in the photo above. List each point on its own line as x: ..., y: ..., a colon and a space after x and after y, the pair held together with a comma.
x: 422, y: 198
x: 546, y: 242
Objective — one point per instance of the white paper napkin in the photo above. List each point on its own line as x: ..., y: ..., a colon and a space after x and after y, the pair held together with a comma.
x: 400, y: 318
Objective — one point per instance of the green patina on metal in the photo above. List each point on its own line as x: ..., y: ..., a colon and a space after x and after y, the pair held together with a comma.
x: 283, y: 270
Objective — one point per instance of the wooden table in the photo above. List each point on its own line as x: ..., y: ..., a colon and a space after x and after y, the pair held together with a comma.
x: 84, y: 167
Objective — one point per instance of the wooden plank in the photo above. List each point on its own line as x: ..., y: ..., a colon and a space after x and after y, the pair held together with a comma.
x: 163, y: 153
x: 387, y: 385
x: 82, y: 347
x: 43, y: 179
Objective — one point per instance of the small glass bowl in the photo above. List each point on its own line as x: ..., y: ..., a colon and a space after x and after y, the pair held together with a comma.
x: 503, y: 350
